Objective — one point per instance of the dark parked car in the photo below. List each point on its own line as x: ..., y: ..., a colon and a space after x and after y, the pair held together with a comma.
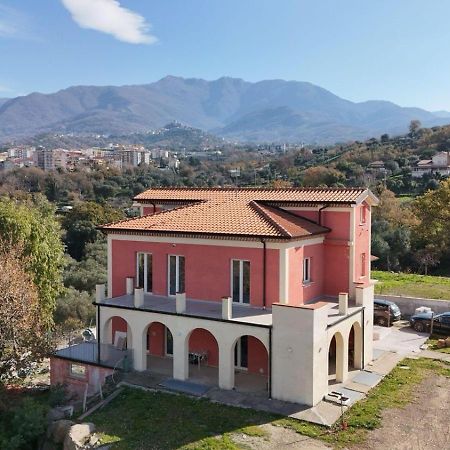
x: 422, y: 322
x: 385, y: 312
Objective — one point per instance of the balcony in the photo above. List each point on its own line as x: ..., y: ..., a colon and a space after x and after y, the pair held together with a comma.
x: 205, y: 309
x: 88, y: 352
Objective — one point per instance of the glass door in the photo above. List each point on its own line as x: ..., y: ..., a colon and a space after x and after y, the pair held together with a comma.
x: 176, y: 274
x: 240, y: 281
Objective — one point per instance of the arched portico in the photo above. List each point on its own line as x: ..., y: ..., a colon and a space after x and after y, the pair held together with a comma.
x: 355, y: 347
x: 337, y: 358
x: 117, y: 331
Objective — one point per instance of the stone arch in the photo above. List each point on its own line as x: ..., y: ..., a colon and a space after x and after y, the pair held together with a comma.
x: 111, y: 329
x: 250, y: 364
x: 157, y: 345
x: 336, y: 358
x: 355, y: 346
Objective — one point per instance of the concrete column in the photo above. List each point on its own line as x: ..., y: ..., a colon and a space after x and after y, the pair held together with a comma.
x: 343, y: 303
x: 358, y: 356
x: 341, y: 359
x: 129, y: 284
x: 180, y: 356
x: 99, y: 293
x: 364, y: 297
x: 284, y: 276
x: 138, y: 297
x: 226, y: 365
x: 105, y: 330
x: 139, y: 348
x: 180, y: 302
x: 227, y: 308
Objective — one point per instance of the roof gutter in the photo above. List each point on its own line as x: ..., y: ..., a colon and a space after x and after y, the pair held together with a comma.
x: 319, y: 220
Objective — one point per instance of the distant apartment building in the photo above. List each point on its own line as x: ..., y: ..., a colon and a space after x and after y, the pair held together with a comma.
x: 45, y: 158
x: 134, y: 157
x: 440, y: 163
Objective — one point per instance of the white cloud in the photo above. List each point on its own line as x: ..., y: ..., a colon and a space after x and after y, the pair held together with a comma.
x: 108, y: 16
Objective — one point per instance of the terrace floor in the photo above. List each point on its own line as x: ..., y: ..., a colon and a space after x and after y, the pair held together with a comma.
x: 196, y: 308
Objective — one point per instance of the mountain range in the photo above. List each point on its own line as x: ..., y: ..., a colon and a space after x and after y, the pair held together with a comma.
x: 271, y: 110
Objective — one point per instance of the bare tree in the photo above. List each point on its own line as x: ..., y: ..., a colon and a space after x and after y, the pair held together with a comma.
x: 23, y: 340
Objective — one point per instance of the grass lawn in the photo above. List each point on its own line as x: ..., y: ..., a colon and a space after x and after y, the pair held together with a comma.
x: 412, y: 285
x: 432, y: 342
x: 141, y: 420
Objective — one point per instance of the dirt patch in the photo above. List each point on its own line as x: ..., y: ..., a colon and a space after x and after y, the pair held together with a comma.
x: 422, y: 424
x: 277, y: 438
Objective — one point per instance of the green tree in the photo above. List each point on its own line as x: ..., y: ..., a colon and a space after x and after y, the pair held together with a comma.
x: 432, y: 230
x: 81, y: 225
x: 31, y: 224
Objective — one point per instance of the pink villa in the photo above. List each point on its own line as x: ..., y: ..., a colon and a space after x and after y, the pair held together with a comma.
x: 245, y: 289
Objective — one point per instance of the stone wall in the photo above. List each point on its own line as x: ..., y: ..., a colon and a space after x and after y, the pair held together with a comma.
x: 408, y: 305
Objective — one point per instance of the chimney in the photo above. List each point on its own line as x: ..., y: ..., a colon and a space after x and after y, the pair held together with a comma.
x: 343, y: 303
x: 129, y: 285
x: 180, y: 302
x: 227, y: 308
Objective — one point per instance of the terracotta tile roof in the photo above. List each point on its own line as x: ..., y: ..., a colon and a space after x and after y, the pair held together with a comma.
x: 245, y: 213
x: 305, y: 195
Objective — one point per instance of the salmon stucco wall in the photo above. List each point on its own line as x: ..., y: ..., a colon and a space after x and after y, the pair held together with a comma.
x: 207, y: 269
x: 156, y: 339
x: 75, y: 385
x: 202, y: 340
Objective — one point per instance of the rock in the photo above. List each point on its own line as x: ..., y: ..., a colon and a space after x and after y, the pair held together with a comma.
x: 447, y: 342
x: 441, y: 343
x: 55, y: 414
x: 57, y: 430
x: 94, y: 440
x: 78, y: 435
x: 59, y: 412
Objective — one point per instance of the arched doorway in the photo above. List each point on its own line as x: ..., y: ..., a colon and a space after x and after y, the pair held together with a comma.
x: 336, y: 359
x: 355, y: 347
x: 203, y: 357
x: 251, y: 365
x: 159, y: 349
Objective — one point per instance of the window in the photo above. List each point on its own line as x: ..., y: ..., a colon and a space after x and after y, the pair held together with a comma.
x: 363, y: 264
x: 176, y: 274
x: 77, y: 370
x: 241, y: 353
x: 307, y: 270
x: 363, y: 214
x: 144, y: 271
x: 169, y: 343
x: 240, y: 281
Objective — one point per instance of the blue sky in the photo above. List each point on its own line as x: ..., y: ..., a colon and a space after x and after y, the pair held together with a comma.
x: 395, y: 50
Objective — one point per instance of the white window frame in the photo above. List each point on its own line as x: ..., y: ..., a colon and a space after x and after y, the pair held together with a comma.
x: 76, y: 374
x: 306, y: 271
x: 145, y: 270
x: 241, y: 281
x: 177, y: 274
